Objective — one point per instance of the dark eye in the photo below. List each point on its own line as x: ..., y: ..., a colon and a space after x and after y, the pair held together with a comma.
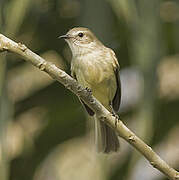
x: 80, y: 34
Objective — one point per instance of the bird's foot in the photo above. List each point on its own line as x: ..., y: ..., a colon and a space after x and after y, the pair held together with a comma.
x: 114, y: 114
x: 116, y: 119
x: 88, y: 90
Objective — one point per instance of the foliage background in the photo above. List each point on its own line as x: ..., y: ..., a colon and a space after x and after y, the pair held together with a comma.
x: 44, y: 131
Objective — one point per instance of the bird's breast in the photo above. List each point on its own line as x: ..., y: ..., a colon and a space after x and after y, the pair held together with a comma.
x: 97, y: 74
x: 91, y: 70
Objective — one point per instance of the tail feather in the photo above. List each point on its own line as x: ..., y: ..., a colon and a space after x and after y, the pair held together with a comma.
x: 106, y: 138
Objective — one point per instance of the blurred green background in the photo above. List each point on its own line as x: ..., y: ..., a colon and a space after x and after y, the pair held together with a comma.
x: 44, y: 131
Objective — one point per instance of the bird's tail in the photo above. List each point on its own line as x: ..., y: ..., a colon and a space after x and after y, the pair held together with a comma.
x: 105, y: 137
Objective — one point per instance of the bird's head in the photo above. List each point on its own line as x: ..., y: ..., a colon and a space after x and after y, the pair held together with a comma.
x: 80, y: 40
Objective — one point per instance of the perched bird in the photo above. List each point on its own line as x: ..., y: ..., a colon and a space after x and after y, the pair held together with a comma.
x: 96, y: 67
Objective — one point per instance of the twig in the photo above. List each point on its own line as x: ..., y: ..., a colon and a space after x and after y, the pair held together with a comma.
x: 8, y: 45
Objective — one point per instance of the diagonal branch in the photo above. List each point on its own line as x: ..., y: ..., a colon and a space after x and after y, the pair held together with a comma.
x: 8, y: 45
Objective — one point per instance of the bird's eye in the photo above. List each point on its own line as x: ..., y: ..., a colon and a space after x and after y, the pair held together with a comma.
x: 80, y: 34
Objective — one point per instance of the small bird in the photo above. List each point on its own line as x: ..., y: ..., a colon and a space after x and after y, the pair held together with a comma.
x: 96, y: 67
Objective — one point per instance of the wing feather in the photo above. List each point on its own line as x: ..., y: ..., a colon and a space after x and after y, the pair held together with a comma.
x: 117, y: 98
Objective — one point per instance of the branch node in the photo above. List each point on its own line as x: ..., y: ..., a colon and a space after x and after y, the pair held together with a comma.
x: 62, y: 74
x: 5, y: 49
x: 41, y: 66
x: 103, y: 118
x: 92, y: 101
x: 22, y: 47
x: 132, y: 138
x: 2, y: 49
x: 153, y: 164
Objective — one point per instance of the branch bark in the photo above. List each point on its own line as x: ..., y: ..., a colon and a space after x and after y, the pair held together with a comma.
x: 7, y: 44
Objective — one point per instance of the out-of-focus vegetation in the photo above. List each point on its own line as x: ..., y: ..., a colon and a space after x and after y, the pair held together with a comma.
x: 44, y: 131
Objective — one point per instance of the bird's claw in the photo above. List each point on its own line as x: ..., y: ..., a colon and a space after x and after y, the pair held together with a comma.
x: 116, y: 118
x: 114, y: 114
x: 88, y: 90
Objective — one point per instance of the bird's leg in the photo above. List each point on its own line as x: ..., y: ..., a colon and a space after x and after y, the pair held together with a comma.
x: 114, y: 114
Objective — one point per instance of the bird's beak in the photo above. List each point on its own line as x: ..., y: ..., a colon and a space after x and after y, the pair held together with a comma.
x: 64, y: 36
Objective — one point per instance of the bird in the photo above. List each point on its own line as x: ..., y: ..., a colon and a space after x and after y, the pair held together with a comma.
x: 96, y: 67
